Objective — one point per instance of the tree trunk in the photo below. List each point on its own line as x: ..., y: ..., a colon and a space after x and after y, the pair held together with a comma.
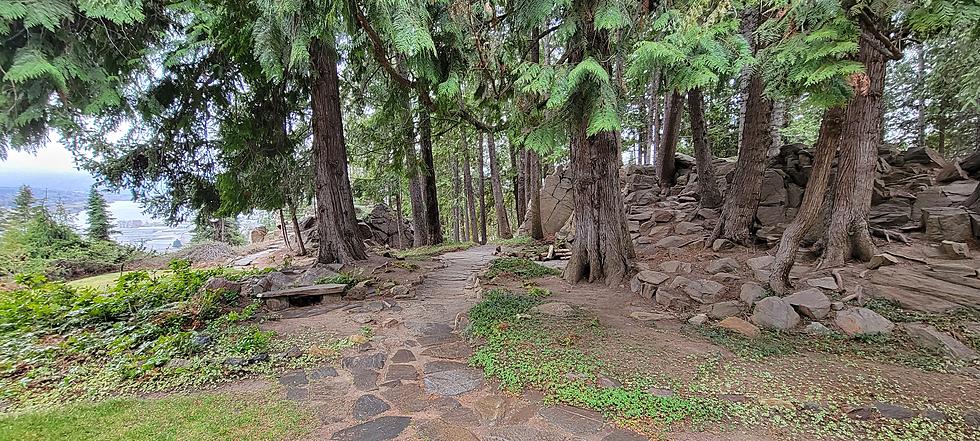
x: 470, y: 202
x: 848, y: 234
x: 482, y: 190
x: 432, y: 222
x: 534, y: 194
x: 707, y: 182
x: 920, y: 107
x: 284, y: 230
x: 750, y: 18
x: 653, y: 118
x: 744, y: 190
x: 414, y: 184
x: 664, y: 164
x: 399, y: 214
x: 459, y: 218
x: 811, y: 209
x: 339, y: 241
x: 601, y: 249
x: 520, y: 196
x: 778, y: 120
x: 299, y: 234
x: 503, y: 224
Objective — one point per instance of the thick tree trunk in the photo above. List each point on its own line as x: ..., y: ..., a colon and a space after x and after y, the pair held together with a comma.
x: 848, y: 234
x: 653, y: 118
x: 707, y: 182
x: 601, y: 249
x: 812, y: 207
x: 744, y: 190
x: 284, y: 230
x: 534, y: 194
x: 750, y: 18
x: 482, y: 190
x: 520, y: 193
x: 778, y: 120
x: 339, y: 241
x: 432, y: 222
x: 474, y: 232
x: 500, y: 208
x: 415, y: 185
x: 666, y: 170
x: 459, y: 217
x: 400, y: 216
x: 299, y: 234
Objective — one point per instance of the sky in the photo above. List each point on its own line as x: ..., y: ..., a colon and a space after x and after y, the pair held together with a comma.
x: 52, y: 158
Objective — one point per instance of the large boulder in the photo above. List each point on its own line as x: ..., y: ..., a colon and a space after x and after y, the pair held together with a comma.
x: 556, y: 202
x: 382, y: 226
x: 257, y: 235
x: 775, y: 313
x: 857, y: 322
x: 929, y: 337
x: 947, y: 223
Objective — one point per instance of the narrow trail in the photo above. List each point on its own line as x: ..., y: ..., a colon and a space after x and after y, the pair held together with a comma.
x: 412, y: 381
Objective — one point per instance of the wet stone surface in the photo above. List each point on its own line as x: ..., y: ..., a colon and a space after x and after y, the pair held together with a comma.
x: 368, y: 406
x: 380, y: 429
x: 453, y: 382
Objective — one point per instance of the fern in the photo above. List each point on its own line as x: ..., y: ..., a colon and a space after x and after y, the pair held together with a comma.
x: 121, y: 12
x: 30, y: 64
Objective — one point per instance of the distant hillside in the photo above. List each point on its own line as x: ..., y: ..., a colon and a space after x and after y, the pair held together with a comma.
x: 70, y: 188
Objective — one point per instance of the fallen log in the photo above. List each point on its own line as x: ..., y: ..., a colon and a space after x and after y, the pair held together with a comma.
x: 305, y: 291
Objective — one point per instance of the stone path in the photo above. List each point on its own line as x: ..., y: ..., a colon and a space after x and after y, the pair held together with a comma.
x: 412, y: 381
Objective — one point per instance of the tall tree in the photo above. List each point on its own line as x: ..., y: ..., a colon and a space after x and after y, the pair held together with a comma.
x: 433, y: 224
x: 25, y: 205
x: 100, y: 225
x: 667, y: 147
x: 707, y: 181
x: 481, y: 188
x: 499, y: 206
x: 474, y: 233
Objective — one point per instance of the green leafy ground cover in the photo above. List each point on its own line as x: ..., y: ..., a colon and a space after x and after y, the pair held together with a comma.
x: 146, y: 333
x: 520, y: 267
x: 433, y: 250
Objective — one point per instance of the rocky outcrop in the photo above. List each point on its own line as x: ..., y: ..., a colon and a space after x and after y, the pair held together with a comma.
x: 381, y: 227
x: 556, y: 202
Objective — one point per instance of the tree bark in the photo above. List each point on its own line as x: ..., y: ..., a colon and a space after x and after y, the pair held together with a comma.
x: 482, y: 190
x: 707, y: 182
x: 778, y: 119
x: 459, y: 217
x: 812, y: 207
x: 848, y: 234
x: 474, y: 232
x: 520, y: 193
x: 665, y: 167
x: 744, y: 190
x: 339, y: 241
x: 920, y: 107
x: 653, y: 118
x: 503, y: 224
x: 536, y: 230
x: 299, y: 234
x: 601, y: 249
x: 399, y: 214
x: 432, y: 222
x: 284, y: 230
x: 415, y: 185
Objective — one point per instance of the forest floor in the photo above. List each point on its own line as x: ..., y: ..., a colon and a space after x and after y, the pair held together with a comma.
x: 413, y: 376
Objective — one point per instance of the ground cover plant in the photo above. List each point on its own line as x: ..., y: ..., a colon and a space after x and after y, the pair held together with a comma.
x: 144, y: 333
x: 520, y: 267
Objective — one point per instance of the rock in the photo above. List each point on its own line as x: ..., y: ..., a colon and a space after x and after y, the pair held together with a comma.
x: 400, y: 292
x: 740, y: 326
x: 381, y: 226
x: 257, y: 234
x: 688, y: 228
x: 955, y: 269
x: 676, y: 241
x: 775, y: 313
x: 368, y: 406
x: 722, y: 245
x: 703, y: 290
x: 894, y: 212
x: 294, y: 378
x: 947, y: 224
x: 645, y: 316
x: 443, y: 430
x: 708, y: 213
x: 676, y: 267
x: 773, y: 189
x: 221, y: 284
x: 862, y: 321
x: 403, y: 372
x: 725, y: 264
x: 724, y: 309
x: 955, y: 250
x: 380, y: 429
x: 726, y: 277
x: 312, y: 276
x: 880, y: 260
x: 894, y: 411
x: 929, y: 337
x: 698, y: 320
x: 751, y: 292
x: 453, y: 382
x: 926, y: 291
x: 812, y: 303
x: 816, y: 328
x: 579, y: 422
x: 828, y: 283
x: 671, y: 298
x: 771, y: 215
x: 645, y: 282
x: 760, y: 263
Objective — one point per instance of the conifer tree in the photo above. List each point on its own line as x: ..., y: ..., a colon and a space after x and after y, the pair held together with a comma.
x: 24, y: 205
x: 100, y: 225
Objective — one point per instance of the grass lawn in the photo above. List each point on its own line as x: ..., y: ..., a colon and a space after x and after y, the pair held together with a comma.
x: 107, y: 279
x: 211, y: 416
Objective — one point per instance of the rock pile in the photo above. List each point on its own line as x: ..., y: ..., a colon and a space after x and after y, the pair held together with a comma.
x: 380, y: 227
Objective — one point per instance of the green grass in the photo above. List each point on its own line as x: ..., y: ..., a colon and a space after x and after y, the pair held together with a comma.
x: 433, y: 250
x: 520, y: 267
x: 521, y: 353
x: 108, y: 279
x: 180, y: 417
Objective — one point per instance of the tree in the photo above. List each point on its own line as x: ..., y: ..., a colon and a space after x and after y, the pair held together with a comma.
x: 25, y: 205
x: 499, y: 206
x: 707, y: 182
x: 100, y: 225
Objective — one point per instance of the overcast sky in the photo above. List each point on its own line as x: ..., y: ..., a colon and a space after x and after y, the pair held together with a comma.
x: 52, y: 158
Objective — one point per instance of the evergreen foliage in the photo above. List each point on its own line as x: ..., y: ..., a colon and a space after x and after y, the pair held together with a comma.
x: 100, y: 225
